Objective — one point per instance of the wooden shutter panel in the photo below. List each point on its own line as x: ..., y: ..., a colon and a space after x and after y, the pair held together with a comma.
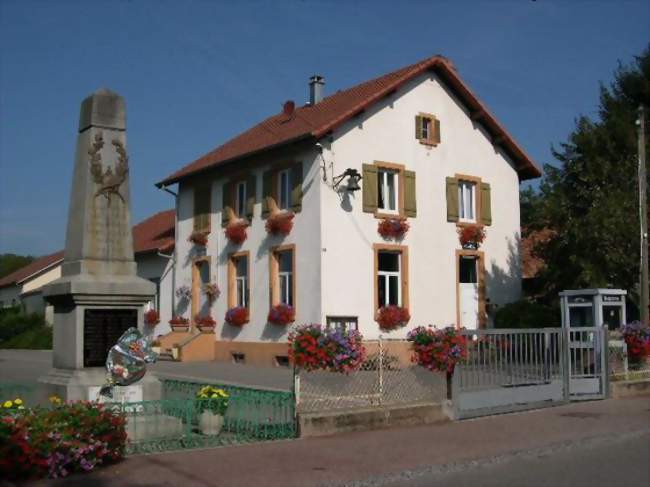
x: 418, y: 127
x: 296, y: 190
x: 410, y: 201
x: 267, y: 192
x: 452, y: 200
x: 251, y: 196
x: 486, y: 204
x: 226, y: 204
x: 435, y: 127
x: 202, y: 208
x: 370, y: 190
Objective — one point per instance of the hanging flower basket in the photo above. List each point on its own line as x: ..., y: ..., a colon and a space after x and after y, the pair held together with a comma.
x: 200, y: 239
x: 212, y: 291
x: 151, y: 318
x: 236, y: 231
x: 205, y: 323
x: 392, y: 317
x: 178, y: 323
x: 395, y: 228
x: 280, y: 224
x: 281, y: 314
x: 184, y: 293
x: 237, y: 316
x: 312, y: 348
x: 471, y: 237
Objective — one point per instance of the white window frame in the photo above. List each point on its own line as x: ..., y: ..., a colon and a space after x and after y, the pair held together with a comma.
x: 241, y: 283
x: 348, y: 323
x: 240, y: 198
x: 387, y: 275
x: 285, y: 280
x: 284, y: 197
x: 382, y: 176
x: 467, y: 201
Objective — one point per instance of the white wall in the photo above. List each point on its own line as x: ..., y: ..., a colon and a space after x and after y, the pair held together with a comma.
x: 153, y: 266
x: 387, y: 133
x: 305, y: 235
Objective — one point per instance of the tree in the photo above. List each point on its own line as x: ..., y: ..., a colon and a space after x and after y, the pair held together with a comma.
x: 591, y: 199
x: 12, y: 262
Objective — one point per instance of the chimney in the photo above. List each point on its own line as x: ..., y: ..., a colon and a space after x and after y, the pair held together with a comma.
x: 316, y: 84
x: 288, y: 108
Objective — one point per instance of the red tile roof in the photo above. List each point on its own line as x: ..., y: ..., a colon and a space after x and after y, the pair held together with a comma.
x: 315, y: 121
x: 156, y: 233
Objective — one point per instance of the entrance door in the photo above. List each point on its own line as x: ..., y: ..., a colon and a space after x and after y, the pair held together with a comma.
x: 586, y: 355
x: 468, y: 291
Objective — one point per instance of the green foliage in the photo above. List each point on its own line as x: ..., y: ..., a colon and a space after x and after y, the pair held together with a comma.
x: 527, y: 314
x: 15, y: 322
x: 13, y: 262
x: 591, y: 199
x: 37, y: 338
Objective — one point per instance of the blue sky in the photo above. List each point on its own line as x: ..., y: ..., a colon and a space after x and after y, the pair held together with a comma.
x: 195, y: 73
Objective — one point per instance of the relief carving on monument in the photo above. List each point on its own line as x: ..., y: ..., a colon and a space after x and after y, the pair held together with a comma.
x: 109, y: 182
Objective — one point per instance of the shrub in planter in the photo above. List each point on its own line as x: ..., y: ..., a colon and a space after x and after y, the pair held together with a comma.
x: 526, y: 314
x: 437, y: 349
x: 237, y: 316
x: 151, y: 317
x: 205, y: 323
x: 637, y: 338
x: 393, y: 228
x: 280, y: 223
x: 312, y: 348
x: 236, y: 231
x: 471, y: 236
x: 199, y: 239
x: 69, y: 437
x: 392, y: 317
x: 212, y: 405
x: 281, y: 314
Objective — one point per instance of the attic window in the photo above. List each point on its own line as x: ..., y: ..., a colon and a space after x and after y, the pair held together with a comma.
x: 427, y: 129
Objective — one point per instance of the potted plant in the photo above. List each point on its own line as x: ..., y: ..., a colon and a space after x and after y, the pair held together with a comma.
x: 212, y: 291
x: 471, y: 236
x: 392, y: 317
x: 199, y: 239
x: 237, y: 316
x: 212, y: 404
x: 280, y: 223
x: 312, y: 348
x: 178, y: 323
x: 206, y: 324
x: 151, y: 318
x: 281, y: 314
x: 393, y: 227
x: 236, y: 231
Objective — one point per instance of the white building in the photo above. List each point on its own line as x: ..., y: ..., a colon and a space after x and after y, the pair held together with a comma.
x: 428, y: 151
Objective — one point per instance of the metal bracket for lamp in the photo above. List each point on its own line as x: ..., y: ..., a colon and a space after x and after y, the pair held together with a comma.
x: 353, y: 180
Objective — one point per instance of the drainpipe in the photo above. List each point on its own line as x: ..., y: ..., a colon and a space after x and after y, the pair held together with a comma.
x: 173, y: 256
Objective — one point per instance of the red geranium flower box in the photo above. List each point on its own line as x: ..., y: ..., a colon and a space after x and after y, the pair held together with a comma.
x: 393, y: 228
x: 280, y: 223
x: 178, y: 323
x: 205, y: 323
x: 281, y: 314
x: 392, y: 317
x: 151, y: 317
x: 471, y: 236
x: 237, y: 316
x: 198, y: 238
x: 236, y: 232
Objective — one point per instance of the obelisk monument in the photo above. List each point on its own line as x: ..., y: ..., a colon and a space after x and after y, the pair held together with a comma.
x: 99, y: 294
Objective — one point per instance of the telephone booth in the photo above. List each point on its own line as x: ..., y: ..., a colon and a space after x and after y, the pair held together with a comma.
x: 593, y: 307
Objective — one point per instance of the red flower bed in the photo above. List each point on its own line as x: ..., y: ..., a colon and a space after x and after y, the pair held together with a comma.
x: 637, y: 338
x: 312, y: 348
x: 237, y: 316
x: 438, y: 350
x: 391, y: 317
x: 393, y: 227
x: 236, y: 232
x: 471, y: 236
x: 151, y: 317
x: 281, y: 314
x: 198, y: 238
x: 280, y: 223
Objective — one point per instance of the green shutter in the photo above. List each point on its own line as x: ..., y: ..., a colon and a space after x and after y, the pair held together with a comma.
x: 267, y: 192
x: 410, y: 205
x: 435, y: 137
x: 418, y: 127
x: 202, y: 207
x: 486, y: 204
x: 452, y: 200
x: 226, y: 203
x: 296, y: 190
x: 370, y: 190
x: 251, y: 196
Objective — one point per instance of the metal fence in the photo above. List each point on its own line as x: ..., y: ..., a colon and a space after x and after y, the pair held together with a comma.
x: 386, y: 378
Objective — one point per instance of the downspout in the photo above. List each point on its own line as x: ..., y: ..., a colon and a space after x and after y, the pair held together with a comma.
x: 173, y: 256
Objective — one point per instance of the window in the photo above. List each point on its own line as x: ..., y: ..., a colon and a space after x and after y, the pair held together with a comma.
x: 283, y: 279
x: 238, y: 357
x: 156, y: 298
x: 349, y: 323
x: 389, y: 279
x: 388, y: 190
x: 284, y: 189
x: 240, y: 199
x: 427, y: 129
x: 467, y: 201
x: 238, y: 280
x: 202, y: 207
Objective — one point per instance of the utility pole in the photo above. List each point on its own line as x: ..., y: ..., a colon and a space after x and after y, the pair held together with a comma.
x: 643, y: 216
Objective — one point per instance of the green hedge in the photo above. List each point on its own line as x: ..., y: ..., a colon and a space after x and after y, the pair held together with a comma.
x: 24, y: 330
x: 527, y: 314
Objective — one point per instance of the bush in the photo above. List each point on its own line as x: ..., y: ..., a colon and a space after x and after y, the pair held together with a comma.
x: 69, y: 437
x: 16, y: 322
x: 526, y: 314
x: 38, y: 338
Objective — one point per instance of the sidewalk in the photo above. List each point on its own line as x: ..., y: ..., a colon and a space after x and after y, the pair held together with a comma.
x: 357, y: 456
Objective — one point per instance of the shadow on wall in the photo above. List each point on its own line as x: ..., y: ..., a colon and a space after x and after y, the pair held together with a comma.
x: 503, y: 284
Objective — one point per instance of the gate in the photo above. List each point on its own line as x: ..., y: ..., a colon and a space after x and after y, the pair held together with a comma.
x: 513, y: 370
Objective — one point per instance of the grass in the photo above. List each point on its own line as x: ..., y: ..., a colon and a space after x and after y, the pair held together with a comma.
x: 37, y: 338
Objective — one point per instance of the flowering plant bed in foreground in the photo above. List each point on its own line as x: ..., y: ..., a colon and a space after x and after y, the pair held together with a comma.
x: 637, y: 338
x: 437, y: 349
x: 312, y: 348
x: 68, y: 437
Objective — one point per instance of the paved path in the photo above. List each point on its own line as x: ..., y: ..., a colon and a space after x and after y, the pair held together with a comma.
x: 388, y: 457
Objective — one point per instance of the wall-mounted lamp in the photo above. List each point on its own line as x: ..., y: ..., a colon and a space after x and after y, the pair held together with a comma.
x: 353, y: 180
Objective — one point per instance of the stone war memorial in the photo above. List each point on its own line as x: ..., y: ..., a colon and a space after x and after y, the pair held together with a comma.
x: 99, y: 296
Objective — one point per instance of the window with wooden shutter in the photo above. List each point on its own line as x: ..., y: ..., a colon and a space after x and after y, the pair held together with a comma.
x: 202, y: 199
x: 452, y: 199
x: 486, y: 204
x: 427, y: 129
x: 410, y: 200
x: 370, y: 193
